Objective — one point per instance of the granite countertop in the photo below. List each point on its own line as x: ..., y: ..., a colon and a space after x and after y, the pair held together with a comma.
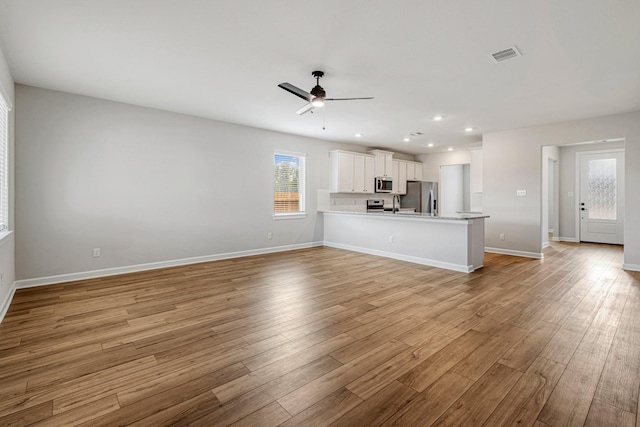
x: 417, y: 215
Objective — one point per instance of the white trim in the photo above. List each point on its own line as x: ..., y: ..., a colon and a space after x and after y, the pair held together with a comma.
x: 555, y: 239
x: 417, y: 260
x: 545, y: 245
x: 289, y: 215
x: 5, y: 97
x: 50, y: 280
x: 4, y: 236
x: 4, y: 306
x: 631, y: 267
x: 567, y: 239
x: 514, y: 253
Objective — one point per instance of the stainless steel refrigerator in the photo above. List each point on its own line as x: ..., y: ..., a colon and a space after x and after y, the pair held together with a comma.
x: 423, y: 196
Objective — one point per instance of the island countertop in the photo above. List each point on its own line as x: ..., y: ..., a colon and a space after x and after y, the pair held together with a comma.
x: 416, y: 215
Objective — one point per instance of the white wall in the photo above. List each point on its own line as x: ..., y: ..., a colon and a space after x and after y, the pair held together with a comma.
x: 512, y: 161
x: 569, y: 205
x: 432, y: 162
x: 7, y: 245
x: 146, y: 186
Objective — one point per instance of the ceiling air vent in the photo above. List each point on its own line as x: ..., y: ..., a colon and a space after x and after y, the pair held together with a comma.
x: 505, y: 54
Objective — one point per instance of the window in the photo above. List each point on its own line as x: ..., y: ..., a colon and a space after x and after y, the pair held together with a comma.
x: 4, y: 165
x: 288, y: 175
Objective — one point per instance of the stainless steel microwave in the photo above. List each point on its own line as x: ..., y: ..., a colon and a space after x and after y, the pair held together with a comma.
x: 383, y: 185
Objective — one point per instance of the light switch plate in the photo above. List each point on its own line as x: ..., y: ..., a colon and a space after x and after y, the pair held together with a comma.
x: 521, y: 193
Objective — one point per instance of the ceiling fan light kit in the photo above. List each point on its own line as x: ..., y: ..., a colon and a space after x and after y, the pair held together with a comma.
x: 316, y: 97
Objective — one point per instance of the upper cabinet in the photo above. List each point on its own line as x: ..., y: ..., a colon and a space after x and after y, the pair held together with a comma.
x: 383, y: 163
x: 414, y: 171
x: 399, y: 177
x: 351, y: 172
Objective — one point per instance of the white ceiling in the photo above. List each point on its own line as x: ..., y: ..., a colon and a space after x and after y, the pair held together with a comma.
x: 224, y: 59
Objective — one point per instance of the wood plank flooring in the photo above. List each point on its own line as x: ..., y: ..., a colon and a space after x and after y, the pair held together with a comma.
x: 324, y: 336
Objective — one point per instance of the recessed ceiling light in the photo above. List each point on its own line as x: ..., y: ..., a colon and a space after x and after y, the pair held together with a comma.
x: 468, y: 129
x: 358, y: 135
x: 450, y: 149
x: 430, y: 144
x: 406, y: 140
x: 437, y: 118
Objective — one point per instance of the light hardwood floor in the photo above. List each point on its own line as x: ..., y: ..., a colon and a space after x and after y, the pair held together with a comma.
x: 330, y: 337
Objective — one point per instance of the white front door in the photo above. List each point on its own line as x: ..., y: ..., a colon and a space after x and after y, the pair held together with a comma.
x: 601, y: 201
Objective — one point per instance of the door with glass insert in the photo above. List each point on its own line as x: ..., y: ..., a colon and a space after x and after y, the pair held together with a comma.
x: 601, y: 201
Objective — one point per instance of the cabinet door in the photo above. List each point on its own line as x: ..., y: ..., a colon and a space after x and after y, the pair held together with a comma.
x: 358, y: 173
x: 369, y: 174
x: 395, y: 177
x: 345, y: 173
x: 388, y: 165
x: 402, y: 177
x: 379, y: 165
x: 411, y: 170
x: 417, y: 172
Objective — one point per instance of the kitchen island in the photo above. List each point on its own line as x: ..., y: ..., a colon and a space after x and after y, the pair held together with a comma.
x: 454, y: 242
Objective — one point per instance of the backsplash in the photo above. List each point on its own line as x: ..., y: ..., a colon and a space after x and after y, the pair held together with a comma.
x: 349, y: 202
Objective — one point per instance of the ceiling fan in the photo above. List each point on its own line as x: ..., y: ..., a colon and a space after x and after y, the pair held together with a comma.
x: 316, y: 97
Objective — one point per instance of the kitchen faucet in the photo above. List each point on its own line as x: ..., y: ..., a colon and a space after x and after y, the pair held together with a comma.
x: 394, y: 209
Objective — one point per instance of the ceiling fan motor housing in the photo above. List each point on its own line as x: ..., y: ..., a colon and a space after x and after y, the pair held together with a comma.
x: 318, y: 91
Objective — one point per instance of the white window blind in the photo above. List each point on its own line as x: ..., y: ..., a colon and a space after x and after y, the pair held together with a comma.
x: 4, y: 165
x: 289, y: 183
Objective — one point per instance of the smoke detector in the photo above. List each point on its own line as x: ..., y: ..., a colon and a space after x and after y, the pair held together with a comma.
x: 506, y: 54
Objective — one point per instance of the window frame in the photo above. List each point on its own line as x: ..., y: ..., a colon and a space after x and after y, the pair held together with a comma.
x: 5, y: 132
x: 302, y: 184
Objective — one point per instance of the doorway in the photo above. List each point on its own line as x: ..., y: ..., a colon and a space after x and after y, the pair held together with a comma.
x: 601, y: 196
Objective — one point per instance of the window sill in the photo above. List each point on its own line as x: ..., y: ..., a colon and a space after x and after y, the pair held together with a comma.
x: 300, y: 215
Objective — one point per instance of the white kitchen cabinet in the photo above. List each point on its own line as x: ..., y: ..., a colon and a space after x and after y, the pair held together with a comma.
x: 351, y: 172
x: 399, y: 177
x: 383, y: 163
x: 414, y: 171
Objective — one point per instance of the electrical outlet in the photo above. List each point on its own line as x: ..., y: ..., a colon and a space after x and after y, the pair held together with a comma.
x: 269, y: 236
x: 96, y: 252
x: 390, y: 239
x: 501, y: 236
x: 521, y: 193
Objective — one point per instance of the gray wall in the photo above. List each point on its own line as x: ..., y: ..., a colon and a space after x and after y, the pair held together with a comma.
x: 512, y: 161
x: 7, y: 245
x: 146, y: 186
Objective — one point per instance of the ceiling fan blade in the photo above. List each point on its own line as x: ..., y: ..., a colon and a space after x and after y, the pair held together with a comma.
x: 345, y: 99
x: 305, y: 109
x: 296, y: 91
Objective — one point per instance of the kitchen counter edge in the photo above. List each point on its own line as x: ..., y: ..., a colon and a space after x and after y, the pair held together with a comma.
x: 421, y: 216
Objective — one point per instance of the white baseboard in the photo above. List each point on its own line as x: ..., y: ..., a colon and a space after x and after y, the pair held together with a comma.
x: 555, y: 239
x: 417, y: 260
x: 631, y: 267
x: 568, y: 239
x: 545, y: 245
x: 4, y: 305
x: 514, y: 253
x: 71, y: 277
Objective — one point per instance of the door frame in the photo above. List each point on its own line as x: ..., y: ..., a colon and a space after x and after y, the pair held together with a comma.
x: 577, y: 184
